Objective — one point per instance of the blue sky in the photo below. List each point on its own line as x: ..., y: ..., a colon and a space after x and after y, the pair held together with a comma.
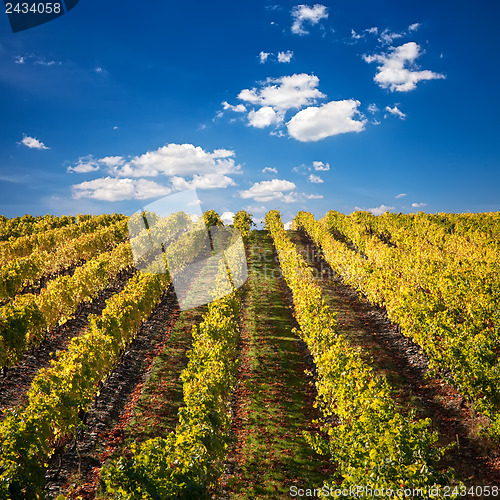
x: 373, y: 105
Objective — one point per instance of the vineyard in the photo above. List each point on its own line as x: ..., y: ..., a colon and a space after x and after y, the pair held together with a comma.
x: 360, y: 359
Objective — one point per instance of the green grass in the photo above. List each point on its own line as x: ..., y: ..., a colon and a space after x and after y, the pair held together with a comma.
x: 274, y: 399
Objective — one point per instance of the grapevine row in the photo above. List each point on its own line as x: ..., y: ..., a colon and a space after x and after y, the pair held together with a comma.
x: 188, y: 462
x: 373, y: 444
x: 27, y: 270
x: 449, y: 308
x: 51, y: 239
x: 59, y: 394
x: 27, y: 224
x: 25, y: 321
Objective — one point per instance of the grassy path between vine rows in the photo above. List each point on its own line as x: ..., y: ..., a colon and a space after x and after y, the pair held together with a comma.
x: 273, y: 400
x: 405, y: 366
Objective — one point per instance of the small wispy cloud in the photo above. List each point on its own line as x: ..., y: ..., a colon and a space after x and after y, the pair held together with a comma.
x: 33, y: 59
x: 395, y: 111
x: 264, y: 56
x: 401, y: 195
x: 238, y: 108
x: 285, y: 57
x: 84, y: 165
x: 303, y: 14
x: 269, y: 170
x: 315, y: 179
x: 380, y: 210
x: 418, y: 205
x: 320, y: 166
x: 33, y: 143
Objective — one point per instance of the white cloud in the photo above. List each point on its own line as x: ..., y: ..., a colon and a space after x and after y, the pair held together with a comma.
x: 285, y: 93
x: 306, y: 14
x: 204, y: 181
x: 85, y: 164
x: 227, y: 217
x: 373, y: 30
x: 112, y: 161
x: 320, y: 166
x: 355, y: 36
x: 33, y: 59
x: 387, y: 37
x: 270, y: 170
x: 177, y: 159
x: 418, y: 205
x: 287, y: 225
x: 395, y: 111
x: 43, y: 62
x: 392, y: 71
x: 332, y: 118
x: 315, y: 179
x: 239, y: 108
x: 110, y: 189
x: 380, y: 210
x: 372, y: 108
x: 401, y: 195
x: 98, y: 69
x: 264, y: 117
x: 285, y: 57
x: 33, y: 143
x: 268, y: 190
x: 414, y: 27
x: 264, y: 56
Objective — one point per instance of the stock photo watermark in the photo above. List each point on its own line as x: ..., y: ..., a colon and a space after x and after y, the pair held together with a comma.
x: 28, y: 14
x: 406, y: 492
x: 170, y: 236
x: 268, y: 270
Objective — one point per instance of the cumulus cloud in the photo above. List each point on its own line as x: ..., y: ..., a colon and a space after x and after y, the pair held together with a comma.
x: 227, y: 217
x: 373, y: 30
x: 287, y: 225
x: 270, y: 170
x: 419, y: 205
x: 303, y: 14
x: 395, y: 111
x: 284, y: 93
x: 380, y: 210
x: 372, y: 108
x: 268, y: 190
x: 186, y: 166
x: 320, y: 166
x: 203, y: 181
x: 332, y: 118
x: 285, y: 57
x: 315, y: 179
x: 112, y: 189
x: 401, y: 195
x: 264, y: 117
x: 176, y: 159
x: 393, y: 71
x: 33, y: 143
